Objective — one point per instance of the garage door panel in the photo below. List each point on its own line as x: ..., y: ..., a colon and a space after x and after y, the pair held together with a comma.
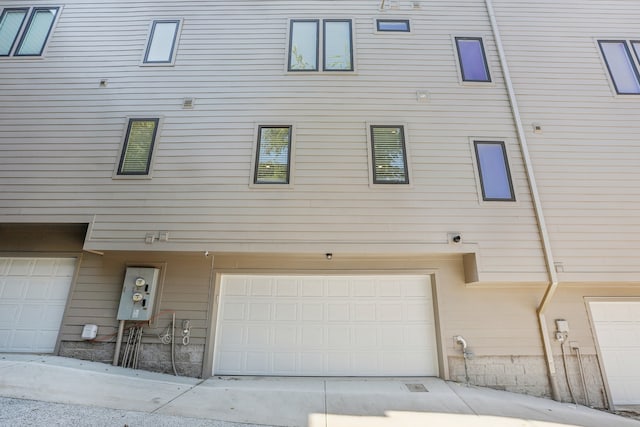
x: 366, y: 336
x: 259, y: 312
x: 389, y: 289
x: 313, y: 337
x: 20, y: 267
x: 58, y: 289
x: 285, y: 363
x: 338, y: 312
x: 364, y: 312
x: 37, y: 288
x: 8, y: 315
x: 286, y: 312
x: 230, y: 361
x: 24, y: 340
x: 312, y: 363
x: 617, y: 327
x: 14, y: 288
x: 364, y: 288
x: 339, y: 336
x: 390, y: 312
x: 233, y: 311
x: 43, y: 267
x: 312, y: 288
x: 287, y: 288
x: 312, y: 312
x: 236, y: 286
x: 314, y: 325
x: 285, y: 336
x: 259, y: 336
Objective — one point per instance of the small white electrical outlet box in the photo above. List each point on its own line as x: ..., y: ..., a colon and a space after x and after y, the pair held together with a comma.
x: 89, y: 332
x: 562, y: 325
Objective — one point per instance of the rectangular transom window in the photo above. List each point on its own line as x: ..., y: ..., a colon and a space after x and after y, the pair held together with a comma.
x: 388, y: 155
x: 273, y: 157
x: 622, y: 69
x: 493, y: 167
x: 473, y: 62
x: 32, y: 36
x: 393, y: 25
x: 138, y: 147
x: 162, y: 42
x: 304, y: 45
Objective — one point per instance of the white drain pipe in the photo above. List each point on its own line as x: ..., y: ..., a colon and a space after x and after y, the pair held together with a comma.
x: 537, y: 205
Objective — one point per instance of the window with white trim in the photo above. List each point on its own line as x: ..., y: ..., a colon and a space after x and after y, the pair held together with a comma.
x: 493, y: 168
x: 305, y: 36
x: 472, y: 59
x: 621, y: 66
x: 161, y: 47
x: 273, y: 155
x: 388, y: 155
x: 25, y: 31
x: 137, y: 150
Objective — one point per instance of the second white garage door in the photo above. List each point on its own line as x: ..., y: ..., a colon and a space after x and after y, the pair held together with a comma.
x: 326, y: 326
x: 617, y: 325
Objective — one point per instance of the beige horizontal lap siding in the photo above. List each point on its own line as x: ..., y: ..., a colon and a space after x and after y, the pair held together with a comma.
x: 96, y: 297
x: 232, y: 59
x: 586, y: 158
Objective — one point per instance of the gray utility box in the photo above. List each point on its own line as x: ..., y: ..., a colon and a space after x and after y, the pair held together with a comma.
x: 138, y: 293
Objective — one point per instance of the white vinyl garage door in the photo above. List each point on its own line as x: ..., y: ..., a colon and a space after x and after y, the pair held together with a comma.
x: 617, y: 325
x: 33, y: 295
x: 326, y: 326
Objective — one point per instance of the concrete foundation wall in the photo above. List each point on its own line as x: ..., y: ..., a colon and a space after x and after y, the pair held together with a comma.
x: 528, y: 375
x: 153, y: 357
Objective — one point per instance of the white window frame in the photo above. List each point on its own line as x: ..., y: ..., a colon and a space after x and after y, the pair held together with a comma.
x: 124, y: 141
x: 292, y: 154
x: 24, y: 26
x: 174, y: 48
x: 320, y: 47
x: 393, y: 186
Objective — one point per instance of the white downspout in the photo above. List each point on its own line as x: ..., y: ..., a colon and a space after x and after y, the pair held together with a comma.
x: 537, y: 205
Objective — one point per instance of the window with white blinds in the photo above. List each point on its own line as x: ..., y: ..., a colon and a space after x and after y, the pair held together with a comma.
x: 138, y: 147
x: 388, y: 155
x: 273, y: 156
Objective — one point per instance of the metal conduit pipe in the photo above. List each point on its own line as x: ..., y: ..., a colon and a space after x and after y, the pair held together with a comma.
x: 537, y: 205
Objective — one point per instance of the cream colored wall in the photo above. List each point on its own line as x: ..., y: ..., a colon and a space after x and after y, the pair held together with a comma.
x: 185, y: 289
x: 586, y: 158
x: 61, y: 134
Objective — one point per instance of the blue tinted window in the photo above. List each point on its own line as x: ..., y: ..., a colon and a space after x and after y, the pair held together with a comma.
x: 621, y: 68
x: 393, y: 25
x: 473, y: 63
x: 495, y: 178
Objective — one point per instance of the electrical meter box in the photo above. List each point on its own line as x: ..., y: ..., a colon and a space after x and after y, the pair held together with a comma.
x: 138, y: 293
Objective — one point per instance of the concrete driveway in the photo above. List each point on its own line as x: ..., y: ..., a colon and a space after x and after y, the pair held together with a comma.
x: 311, y: 402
